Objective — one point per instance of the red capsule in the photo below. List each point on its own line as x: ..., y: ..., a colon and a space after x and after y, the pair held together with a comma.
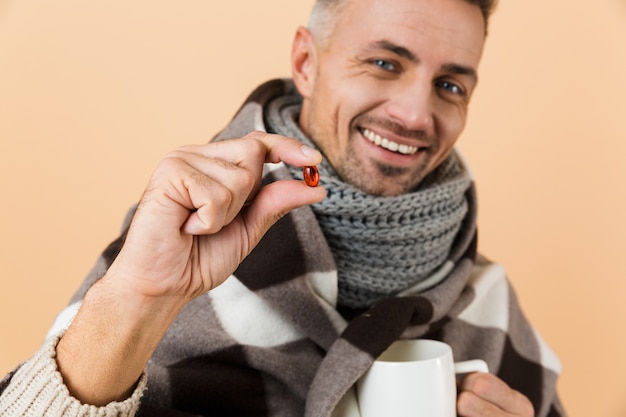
x: 311, y: 176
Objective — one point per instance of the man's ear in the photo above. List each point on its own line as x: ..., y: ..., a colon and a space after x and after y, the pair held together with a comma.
x: 303, y: 61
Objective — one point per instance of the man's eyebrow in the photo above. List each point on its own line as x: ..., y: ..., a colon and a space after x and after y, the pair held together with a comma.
x: 405, y: 53
x: 396, y: 49
x: 460, y: 70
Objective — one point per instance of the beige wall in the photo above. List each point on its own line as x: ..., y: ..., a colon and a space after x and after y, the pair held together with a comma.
x: 93, y: 93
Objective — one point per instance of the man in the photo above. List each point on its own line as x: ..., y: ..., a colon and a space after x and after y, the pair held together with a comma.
x: 386, y: 250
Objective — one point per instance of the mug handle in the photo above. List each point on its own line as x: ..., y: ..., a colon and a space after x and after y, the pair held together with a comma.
x: 475, y: 365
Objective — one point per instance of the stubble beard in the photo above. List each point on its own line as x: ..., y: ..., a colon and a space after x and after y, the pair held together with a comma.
x: 379, y: 179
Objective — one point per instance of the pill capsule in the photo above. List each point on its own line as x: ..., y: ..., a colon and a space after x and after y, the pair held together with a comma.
x: 311, y: 176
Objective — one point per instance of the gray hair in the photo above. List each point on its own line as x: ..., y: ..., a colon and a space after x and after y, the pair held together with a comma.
x: 326, y: 12
x: 323, y: 18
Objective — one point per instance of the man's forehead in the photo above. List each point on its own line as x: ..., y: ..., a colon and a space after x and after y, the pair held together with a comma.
x: 411, y: 12
x: 406, y: 27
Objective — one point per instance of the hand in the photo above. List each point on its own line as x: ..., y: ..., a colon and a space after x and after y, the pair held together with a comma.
x: 203, y: 212
x: 486, y: 395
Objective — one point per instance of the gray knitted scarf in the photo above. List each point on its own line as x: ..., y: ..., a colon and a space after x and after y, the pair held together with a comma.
x: 381, y: 245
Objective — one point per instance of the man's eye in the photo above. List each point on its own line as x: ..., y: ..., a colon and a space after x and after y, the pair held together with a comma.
x: 386, y: 65
x: 450, y: 87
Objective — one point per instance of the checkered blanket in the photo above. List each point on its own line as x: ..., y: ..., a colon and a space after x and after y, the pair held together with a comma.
x: 270, y: 341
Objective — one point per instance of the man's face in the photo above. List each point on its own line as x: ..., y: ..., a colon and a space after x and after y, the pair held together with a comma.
x: 387, y: 97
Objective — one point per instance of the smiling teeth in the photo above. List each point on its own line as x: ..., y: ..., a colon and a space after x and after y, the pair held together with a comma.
x: 378, y: 140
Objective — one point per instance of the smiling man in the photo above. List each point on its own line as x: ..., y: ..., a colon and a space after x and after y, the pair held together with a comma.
x: 237, y: 291
x: 386, y: 95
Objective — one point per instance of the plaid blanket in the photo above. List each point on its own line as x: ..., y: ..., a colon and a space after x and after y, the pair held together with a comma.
x: 270, y: 341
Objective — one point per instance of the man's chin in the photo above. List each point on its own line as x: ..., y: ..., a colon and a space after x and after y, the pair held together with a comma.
x: 381, y: 186
x: 376, y: 178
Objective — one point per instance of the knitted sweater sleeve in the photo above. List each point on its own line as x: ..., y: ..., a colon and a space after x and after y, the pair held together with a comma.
x: 36, y: 389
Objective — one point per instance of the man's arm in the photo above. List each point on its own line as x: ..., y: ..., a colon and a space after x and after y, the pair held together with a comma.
x: 202, y: 213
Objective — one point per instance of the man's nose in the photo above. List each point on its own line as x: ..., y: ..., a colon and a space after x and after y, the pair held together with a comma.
x: 412, y: 106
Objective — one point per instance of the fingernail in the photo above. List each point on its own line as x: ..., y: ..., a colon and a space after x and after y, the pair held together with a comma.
x: 308, y: 151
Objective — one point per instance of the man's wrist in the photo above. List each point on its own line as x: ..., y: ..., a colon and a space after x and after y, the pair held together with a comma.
x: 105, y: 350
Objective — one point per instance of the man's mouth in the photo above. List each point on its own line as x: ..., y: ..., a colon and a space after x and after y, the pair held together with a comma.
x: 390, y: 145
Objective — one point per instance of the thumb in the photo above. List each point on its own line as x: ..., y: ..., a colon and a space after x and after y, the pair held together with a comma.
x: 276, y: 200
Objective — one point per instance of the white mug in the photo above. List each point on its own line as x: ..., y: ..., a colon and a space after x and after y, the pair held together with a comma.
x: 413, y: 378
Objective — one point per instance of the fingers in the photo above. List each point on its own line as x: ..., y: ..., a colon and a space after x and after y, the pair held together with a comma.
x: 214, y: 189
x: 270, y: 147
x: 274, y: 201
x: 209, y: 184
x: 485, y: 395
x: 288, y: 150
